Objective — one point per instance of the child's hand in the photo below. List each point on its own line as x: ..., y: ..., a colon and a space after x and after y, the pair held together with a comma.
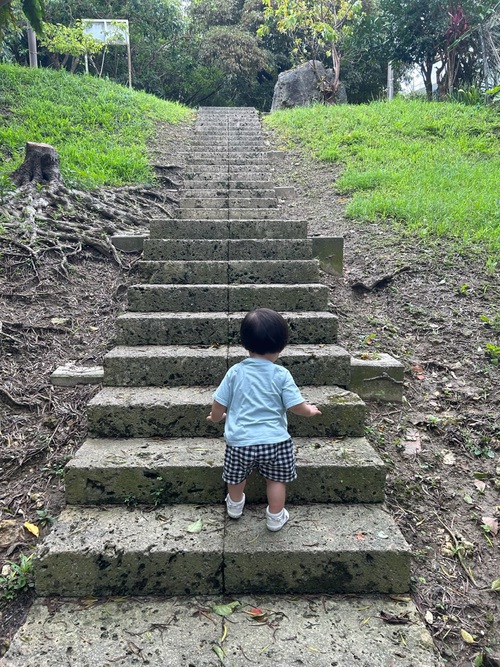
x: 313, y: 410
x: 215, y: 421
x: 305, y: 410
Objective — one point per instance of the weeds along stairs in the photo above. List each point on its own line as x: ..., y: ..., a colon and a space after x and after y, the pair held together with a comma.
x: 145, y: 512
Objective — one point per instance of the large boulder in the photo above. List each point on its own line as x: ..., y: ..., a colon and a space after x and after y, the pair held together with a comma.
x: 305, y: 84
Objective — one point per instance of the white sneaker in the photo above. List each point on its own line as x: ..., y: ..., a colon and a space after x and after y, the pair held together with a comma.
x: 276, y: 522
x: 235, y: 510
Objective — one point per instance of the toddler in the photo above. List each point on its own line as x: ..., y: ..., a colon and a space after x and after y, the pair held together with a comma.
x: 253, y: 397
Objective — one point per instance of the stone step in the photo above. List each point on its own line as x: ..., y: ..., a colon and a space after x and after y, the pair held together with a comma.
x: 156, y: 365
x: 227, y: 229
x: 233, y: 273
x: 257, y: 172
x: 230, y: 213
x: 216, y: 328
x: 214, y: 298
x: 231, y: 202
x: 229, y: 185
x: 137, y: 412
x: 224, y: 192
x: 316, y: 631
x: 189, y: 470
x: 325, y: 549
x: 228, y: 250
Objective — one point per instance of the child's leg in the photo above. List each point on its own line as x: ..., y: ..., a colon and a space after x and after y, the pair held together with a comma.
x: 236, y: 491
x: 276, y: 496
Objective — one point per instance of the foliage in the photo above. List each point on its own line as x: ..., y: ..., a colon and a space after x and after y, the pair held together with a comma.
x: 99, y: 128
x: 32, y: 9
x: 423, y: 32
x: 316, y: 28
x: 16, y: 577
x: 70, y: 42
x: 430, y: 166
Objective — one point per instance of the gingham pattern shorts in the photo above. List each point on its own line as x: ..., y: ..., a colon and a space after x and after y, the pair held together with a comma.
x: 275, y: 462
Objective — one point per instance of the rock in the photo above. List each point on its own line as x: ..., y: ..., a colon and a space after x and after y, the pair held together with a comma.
x: 304, y: 85
x: 10, y: 532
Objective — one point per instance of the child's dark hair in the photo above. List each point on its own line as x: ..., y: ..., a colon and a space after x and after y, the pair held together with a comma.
x: 264, y: 331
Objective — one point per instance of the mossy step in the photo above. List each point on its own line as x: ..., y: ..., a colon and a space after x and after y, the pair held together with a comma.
x: 216, y: 328
x: 312, y: 630
x: 227, y: 229
x: 173, y: 412
x: 181, y: 365
x: 214, y: 298
x: 189, y: 470
x: 227, y: 249
x: 234, y: 272
x: 322, y: 549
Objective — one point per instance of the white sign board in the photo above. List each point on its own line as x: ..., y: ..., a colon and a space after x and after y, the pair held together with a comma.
x: 109, y: 31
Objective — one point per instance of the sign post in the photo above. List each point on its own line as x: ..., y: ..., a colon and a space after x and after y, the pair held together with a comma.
x: 110, y: 32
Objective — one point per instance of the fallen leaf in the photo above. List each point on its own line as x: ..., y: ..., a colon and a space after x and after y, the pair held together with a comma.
x: 218, y: 651
x: 429, y: 617
x: 360, y: 536
x: 412, y: 443
x: 32, y: 528
x: 448, y: 458
x: 467, y: 637
x: 491, y: 522
x: 195, y: 527
x: 255, y: 611
x: 224, y: 633
x: 395, y: 619
x: 225, y: 609
x: 468, y: 499
x: 495, y: 585
x: 479, y: 484
x: 58, y: 320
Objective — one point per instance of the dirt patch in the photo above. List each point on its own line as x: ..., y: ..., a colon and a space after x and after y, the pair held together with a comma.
x: 434, y: 309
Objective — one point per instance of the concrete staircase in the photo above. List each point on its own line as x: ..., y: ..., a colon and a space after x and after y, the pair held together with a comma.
x: 150, y: 445
x: 145, y: 520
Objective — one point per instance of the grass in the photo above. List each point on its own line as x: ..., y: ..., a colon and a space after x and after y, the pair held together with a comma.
x: 100, y: 129
x: 434, y: 167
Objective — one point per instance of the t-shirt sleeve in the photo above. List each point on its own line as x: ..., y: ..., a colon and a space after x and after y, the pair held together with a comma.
x: 223, y: 393
x: 290, y: 392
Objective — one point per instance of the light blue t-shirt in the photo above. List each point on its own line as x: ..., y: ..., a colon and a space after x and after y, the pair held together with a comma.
x: 257, y: 393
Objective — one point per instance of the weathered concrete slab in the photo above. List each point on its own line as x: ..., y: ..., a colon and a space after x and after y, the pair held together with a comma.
x: 173, y: 328
x: 192, y: 298
x: 225, y: 229
x: 216, y: 328
x: 159, y: 366
x: 234, y: 272
x: 176, y: 365
x: 211, y: 298
x: 280, y: 297
x: 330, y: 252
x: 317, y: 631
x: 129, y: 242
x: 233, y: 213
x: 117, y: 551
x: 71, y: 375
x: 173, y: 412
x: 377, y: 377
x: 323, y: 548
x: 189, y: 470
x: 223, y: 249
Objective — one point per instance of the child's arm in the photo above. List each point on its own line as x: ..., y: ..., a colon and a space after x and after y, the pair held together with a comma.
x: 305, y: 410
x: 218, y: 413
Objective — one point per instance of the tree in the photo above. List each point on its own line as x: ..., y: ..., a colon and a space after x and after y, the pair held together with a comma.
x: 32, y: 9
x: 70, y: 42
x: 316, y: 27
x: 424, y: 32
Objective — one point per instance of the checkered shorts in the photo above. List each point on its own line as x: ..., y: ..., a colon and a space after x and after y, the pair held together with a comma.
x: 275, y: 462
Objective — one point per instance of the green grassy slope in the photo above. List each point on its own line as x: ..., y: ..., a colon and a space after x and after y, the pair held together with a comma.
x: 99, y: 128
x: 434, y: 167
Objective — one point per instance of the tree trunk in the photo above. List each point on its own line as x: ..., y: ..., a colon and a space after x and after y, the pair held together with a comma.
x: 41, y: 165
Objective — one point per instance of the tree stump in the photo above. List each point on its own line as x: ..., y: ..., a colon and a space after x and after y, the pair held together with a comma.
x: 41, y: 165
